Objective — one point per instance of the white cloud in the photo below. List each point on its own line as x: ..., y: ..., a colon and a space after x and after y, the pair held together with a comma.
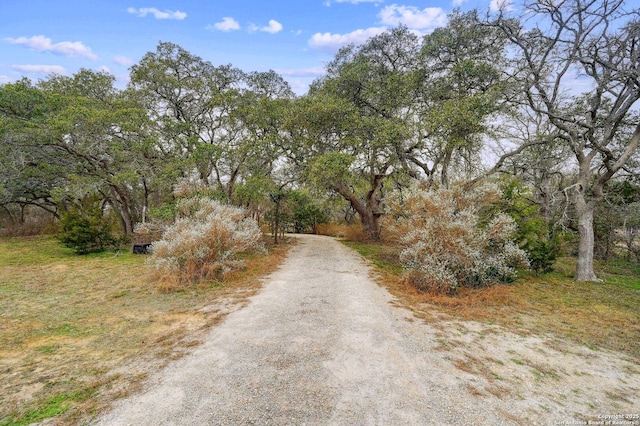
x: 412, y: 17
x: 104, y: 68
x: 227, y: 24
x: 459, y: 2
x: 123, y: 60
x: 497, y: 5
x: 40, y: 69
x: 64, y: 48
x: 158, y: 14
x: 273, y: 27
x: 332, y: 42
x: 417, y: 20
x: 4, y: 79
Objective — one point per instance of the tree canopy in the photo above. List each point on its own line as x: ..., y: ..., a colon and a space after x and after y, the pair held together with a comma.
x: 549, y: 96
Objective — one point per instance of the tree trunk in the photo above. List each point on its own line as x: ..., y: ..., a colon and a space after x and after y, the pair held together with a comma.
x: 145, y: 200
x: 368, y: 211
x: 276, y: 221
x: 120, y: 203
x: 127, y: 220
x: 444, y: 176
x: 586, y: 240
x: 370, y: 226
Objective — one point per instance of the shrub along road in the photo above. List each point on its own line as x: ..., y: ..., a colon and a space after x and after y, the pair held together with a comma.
x: 323, y: 344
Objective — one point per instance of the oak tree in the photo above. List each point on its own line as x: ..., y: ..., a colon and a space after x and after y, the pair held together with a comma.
x: 578, y: 63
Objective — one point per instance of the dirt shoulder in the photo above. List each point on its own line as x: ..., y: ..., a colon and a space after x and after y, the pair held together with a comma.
x: 321, y: 343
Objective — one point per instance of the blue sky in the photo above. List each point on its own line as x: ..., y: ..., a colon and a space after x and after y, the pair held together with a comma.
x: 294, y: 38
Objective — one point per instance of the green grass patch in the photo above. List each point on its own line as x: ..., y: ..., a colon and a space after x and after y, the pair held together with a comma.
x: 47, y: 349
x: 31, y: 250
x: 50, y: 407
x: 622, y: 273
x: 382, y: 256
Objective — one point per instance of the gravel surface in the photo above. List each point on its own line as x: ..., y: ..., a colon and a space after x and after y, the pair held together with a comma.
x: 323, y: 344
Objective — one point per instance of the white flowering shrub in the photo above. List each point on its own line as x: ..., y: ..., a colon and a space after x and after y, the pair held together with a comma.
x: 445, y: 243
x: 204, y: 242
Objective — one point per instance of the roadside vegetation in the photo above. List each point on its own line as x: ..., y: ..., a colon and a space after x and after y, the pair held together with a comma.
x: 484, y: 97
x: 603, y: 315
x: 79, y: 331
x: 456, y: 159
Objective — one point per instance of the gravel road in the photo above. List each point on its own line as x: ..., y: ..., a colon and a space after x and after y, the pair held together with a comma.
x: 321, y: 343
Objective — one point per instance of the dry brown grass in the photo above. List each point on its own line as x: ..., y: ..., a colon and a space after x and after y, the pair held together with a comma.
x: 351, y: 232
x: 77, y: 332
x: 598, y: 315
x: 36, y: 223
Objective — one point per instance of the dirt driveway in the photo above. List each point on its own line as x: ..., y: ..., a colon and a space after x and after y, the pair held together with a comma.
x: 323, y: 344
